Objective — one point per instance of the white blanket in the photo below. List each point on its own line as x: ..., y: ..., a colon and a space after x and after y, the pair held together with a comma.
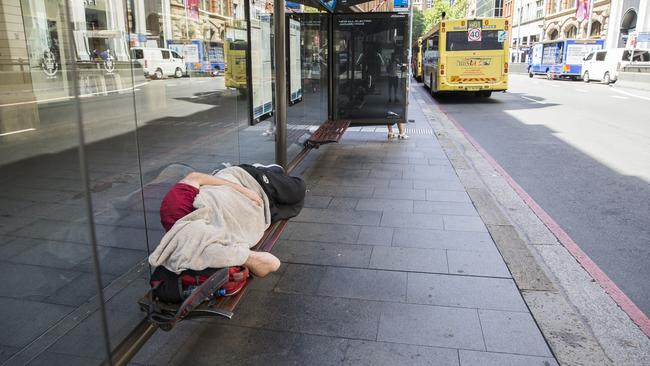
x: 220, y: 231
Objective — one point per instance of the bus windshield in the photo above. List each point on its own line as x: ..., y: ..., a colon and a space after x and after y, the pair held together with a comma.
x: 457, y: 41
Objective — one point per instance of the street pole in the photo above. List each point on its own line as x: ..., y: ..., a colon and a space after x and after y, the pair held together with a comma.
x: 410, y: 58
x: 521, y: 10
x: 280, y: 84
x: 591, y: 9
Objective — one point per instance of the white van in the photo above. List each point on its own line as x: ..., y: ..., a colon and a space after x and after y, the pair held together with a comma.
x: 159, y: 62
x: 604, y: 65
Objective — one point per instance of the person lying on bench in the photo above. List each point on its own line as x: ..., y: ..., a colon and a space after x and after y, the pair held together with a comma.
x: 212, y: 221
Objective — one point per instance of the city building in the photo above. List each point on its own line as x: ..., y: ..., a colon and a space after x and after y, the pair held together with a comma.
x: 485, y: 8
x: 561, y: 21
x: 629, y: 17
x: 527, y: 27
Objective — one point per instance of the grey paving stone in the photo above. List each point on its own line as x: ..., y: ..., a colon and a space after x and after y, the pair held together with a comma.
x: 12, y: 246
x: 409, y: 259
x: 77, y: 292
x: 447, y: 196
x: 410, y: 220
x: 364, y: 284
x: 22, y: 281
x: 343, y: 203
x: 6, y: 352
x: 430, y: 326
x: 333, y: 233
x: 53, y: 254
x: 371, y: 235
x: 355, y: 182
x: 317, y: 315
x: 440, y: 239
x: 323, y: 253
x: 360, y: 353
x: 381, y: 204
x: 317, y: 201
x: 85, y: 339
x: 477, y: 263
x: 23, y: 321
x: 475, y: 358
x: 342, y: 191
x: 444, y: 208
x: 301, y: 279
x: 337, y: 216
x: 336, y: 172
x: 59, y: 359
x: 384, y: 174
x: 439, y: 184
x: 512, y: 333
x: 114, y: 261
x: 463, y: 223
x: 400, y: 193
x: 464, y: 291
x: 401, y: 184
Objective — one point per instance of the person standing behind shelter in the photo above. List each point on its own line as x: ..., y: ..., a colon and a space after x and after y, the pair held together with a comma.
x: 394, y: 69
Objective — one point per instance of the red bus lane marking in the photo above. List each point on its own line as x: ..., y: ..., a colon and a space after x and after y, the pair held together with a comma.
x: 624, y: 302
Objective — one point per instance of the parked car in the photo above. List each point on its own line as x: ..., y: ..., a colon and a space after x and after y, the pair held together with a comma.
x: 604, y: 65
x: 158, y: 63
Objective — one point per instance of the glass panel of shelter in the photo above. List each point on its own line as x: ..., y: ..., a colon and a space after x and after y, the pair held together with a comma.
x: 370, y: 67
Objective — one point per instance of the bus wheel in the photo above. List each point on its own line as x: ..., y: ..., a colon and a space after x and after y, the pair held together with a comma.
x: 485, y: 93
x: 549, y: 76
x: 432, y: 86
x: 530, y: 74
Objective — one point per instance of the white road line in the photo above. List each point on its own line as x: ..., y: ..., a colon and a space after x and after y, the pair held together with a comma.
x: 581, y: 90
x: 619, y: 97
x: 533, y: 100
x: 630, y: 94
x: 71, y: 96
x: 17, y: 132
x: 555, y: 86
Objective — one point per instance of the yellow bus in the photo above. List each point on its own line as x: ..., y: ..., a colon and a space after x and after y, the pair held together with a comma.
x: 466, y: 55
x: 235, y: 74
x: 417, y: 59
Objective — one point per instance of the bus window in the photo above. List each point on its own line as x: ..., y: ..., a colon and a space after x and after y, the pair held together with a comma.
x: 165, y: 54
x: 457, y: 41
x: 435, y: 41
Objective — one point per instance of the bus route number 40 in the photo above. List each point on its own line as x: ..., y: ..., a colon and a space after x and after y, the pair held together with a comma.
x: 474, y: 35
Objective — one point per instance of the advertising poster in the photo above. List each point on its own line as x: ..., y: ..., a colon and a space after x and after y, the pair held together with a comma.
x: 261, y: 77
x: 295, y: 67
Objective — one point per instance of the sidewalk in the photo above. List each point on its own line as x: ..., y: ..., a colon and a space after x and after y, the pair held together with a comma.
x: 388, y: 263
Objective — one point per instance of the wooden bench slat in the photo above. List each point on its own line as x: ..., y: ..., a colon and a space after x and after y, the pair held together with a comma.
x: 328, y: 132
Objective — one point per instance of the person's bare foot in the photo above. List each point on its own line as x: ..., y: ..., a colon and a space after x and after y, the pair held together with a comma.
x: 262, y: 263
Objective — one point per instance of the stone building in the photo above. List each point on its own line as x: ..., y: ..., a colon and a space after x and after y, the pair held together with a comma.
x: 561, y: 21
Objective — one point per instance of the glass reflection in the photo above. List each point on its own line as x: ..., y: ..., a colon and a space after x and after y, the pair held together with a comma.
x: 370, y: 67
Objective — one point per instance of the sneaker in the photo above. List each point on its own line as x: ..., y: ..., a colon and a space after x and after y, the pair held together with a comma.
x: 237, y: 278
x: 391, y: 135
x: 403, y: 136
x: 270, y: 167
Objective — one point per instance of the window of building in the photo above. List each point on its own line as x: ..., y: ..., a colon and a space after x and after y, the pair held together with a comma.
x: 595, y: 29
x: 553, y: 35
x: 571, y: 32
x: 540, y: 9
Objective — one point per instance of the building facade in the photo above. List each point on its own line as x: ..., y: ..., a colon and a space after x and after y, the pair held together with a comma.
x: 485, y: 8
x: 527, y: 27
x: 629, y: 18
x: 561, y: 21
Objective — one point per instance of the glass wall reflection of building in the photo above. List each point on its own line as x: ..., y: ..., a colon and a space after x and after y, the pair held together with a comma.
x: 75, y: 103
